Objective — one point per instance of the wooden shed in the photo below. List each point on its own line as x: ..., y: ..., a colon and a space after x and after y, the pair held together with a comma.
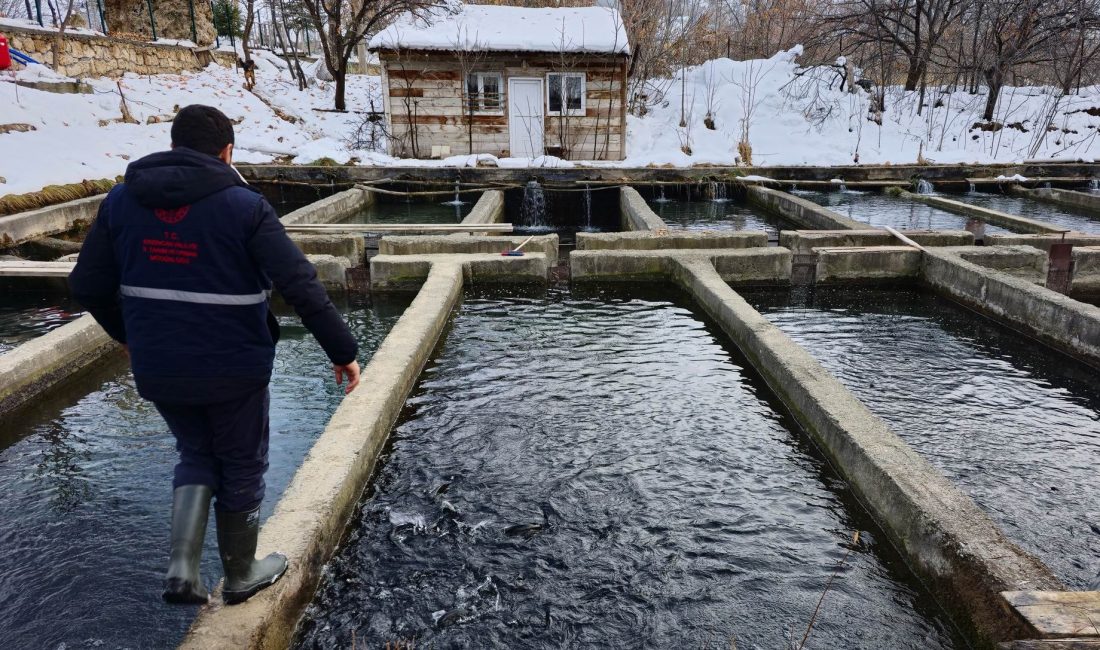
x: 508, y: 81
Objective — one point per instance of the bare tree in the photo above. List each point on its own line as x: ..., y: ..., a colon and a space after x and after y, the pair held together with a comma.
x: 340, y: 27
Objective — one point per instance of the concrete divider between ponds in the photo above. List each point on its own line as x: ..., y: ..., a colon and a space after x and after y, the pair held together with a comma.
x: 488, y: 209
x: 804, y: 241
x: 1003, y: 219
x: 664, y: 240
x: 332, y: 209
x: 946, y: 538
x: 402, y: 272
x: 764, y: 266
x: 313, y: 513
x: 799, y: 211
x: 1059, y: 321
x: 22, y: 227
x: 49, y: 360
x: 636, y: 214
x: 1068, y: 198
x: 465, y: 243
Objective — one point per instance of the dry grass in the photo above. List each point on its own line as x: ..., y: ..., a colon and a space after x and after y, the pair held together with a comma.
x: 54, y: 194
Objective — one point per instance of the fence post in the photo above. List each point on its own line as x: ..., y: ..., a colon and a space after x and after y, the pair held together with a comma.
x: 194, y: 32
x: 38, y: 10
x: 152, y: 21
x: 102, y: 17
x: 309, y: 50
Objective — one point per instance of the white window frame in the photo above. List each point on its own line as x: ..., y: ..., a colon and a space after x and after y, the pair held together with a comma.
x: 566, y: 111
x: 499, y: 110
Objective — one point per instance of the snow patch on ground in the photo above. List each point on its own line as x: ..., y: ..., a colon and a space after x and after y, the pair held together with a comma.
x: 799, y: 117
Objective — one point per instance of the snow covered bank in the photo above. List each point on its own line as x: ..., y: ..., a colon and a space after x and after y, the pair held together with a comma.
x: 794, y: 117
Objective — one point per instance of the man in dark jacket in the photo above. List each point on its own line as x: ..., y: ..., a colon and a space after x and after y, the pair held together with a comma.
x: 178, y: 267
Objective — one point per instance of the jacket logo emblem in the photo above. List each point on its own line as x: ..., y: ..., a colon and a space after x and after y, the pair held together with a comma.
x: 171, y: 215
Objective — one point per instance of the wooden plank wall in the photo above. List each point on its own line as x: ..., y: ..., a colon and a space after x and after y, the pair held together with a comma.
x: 424, y: 100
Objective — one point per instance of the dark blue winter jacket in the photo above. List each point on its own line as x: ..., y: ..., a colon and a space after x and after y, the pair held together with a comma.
x: 179, y: 265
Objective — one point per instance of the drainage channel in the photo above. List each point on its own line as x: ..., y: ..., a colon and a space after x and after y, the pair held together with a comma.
x: 590, y: 467
x: 85, y: 496
x: 1013, y: 423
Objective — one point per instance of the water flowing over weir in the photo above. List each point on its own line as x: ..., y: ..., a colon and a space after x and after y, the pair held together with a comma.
x: 1013, y: 423
x: 86, y: 493
x: 596, y: 469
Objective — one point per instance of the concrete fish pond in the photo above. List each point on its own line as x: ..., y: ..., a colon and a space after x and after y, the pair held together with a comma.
x: 1015, y: 425
x: 758, y: 420
x: 85, y: 485
x: 617, y: 472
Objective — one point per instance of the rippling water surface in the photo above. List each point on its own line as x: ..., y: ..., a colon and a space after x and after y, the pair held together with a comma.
x: 86, y: 494
x: 596, y: 470
x: 878, y: 209
x: 714, y: 215
x: 1013, y: 423
x: 24, y: 316
x: 1080, y: 221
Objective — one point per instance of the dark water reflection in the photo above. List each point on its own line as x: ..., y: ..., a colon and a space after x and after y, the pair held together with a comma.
x: 85, y: 496
x: 601, y: 470
x: 715, y: 215
x: 24, y: 316
x: 415, y: 212
x: 1013, y: 423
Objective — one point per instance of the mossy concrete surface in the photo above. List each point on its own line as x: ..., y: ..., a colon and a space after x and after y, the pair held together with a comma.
x: 804, y: 241
x: 332, y: 209
x: 744, y: 266
x: 314, y: 511
x: 402, y: 272
x: 463, y: 243
x: 489, y: 209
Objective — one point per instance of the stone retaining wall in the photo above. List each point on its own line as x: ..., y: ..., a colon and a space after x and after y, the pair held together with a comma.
x: 84, y: 55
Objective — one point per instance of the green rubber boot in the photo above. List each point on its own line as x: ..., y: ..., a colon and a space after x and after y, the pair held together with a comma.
x: 244, y: 574
x: 183, y: 582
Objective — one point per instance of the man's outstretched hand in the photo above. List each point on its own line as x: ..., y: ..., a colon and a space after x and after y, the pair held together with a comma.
x: 351, y: 372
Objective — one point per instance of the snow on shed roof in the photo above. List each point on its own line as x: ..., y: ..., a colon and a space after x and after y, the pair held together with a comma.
x: 495, y: 28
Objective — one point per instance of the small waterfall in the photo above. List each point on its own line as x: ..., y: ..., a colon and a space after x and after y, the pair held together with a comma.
x: 971, y: 189
x: 587, y: 207
x: 924, y: 187
x: 1094, y: 185
x: 840, y: 184
x: 458, y: 199
x: 533, y: 210
x: 661, y: 198
x: 718, y: 192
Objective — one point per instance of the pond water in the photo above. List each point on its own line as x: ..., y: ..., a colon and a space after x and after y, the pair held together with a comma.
x: 1065, y: 217
x: 716, y: 215
x: 417, y: 212
x: 536, y: 209
x: 86, y: 494
x: 878, y: 209
x: 601, y: 469
x: 1013, y: 423
x: 25, y: 315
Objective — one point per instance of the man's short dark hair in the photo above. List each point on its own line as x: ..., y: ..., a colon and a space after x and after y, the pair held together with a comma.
x: 202, y: 128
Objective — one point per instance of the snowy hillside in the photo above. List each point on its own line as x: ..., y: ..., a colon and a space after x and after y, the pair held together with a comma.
x: 801, y: 117
x: 795, y: 117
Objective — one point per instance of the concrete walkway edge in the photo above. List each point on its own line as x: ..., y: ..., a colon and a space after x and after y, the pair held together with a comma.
x: 313, y: 513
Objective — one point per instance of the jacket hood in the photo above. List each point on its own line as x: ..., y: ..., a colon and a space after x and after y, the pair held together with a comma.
x: 182, y: 176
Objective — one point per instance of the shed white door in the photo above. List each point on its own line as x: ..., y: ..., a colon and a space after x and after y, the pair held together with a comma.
x: 525, y: 117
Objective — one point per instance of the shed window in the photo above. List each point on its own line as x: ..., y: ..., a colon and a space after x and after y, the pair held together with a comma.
x: 565, y: 89
x: 483, y: 92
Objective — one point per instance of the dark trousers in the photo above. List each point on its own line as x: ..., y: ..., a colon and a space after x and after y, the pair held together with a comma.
x: 224, y: 446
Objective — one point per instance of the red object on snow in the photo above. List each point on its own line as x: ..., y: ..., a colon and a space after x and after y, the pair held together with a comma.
x: 5, y: 54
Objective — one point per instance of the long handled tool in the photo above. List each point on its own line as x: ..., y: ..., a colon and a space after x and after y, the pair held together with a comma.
x: 516, y: 252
